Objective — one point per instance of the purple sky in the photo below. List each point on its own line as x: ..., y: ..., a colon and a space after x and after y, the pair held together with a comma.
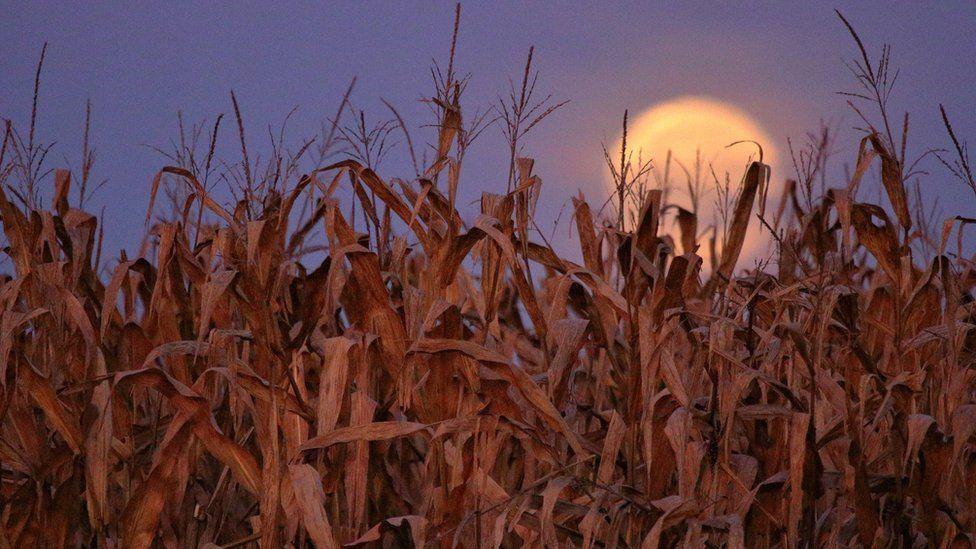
x: 140, y: 63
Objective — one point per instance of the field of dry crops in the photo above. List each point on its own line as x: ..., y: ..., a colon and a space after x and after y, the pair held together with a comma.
x: 299, y: 370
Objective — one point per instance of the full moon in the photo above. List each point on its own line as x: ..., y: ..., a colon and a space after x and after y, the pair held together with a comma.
x: 697, y: 132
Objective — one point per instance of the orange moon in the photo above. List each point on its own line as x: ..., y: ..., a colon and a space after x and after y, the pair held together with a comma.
x: 689, y: 126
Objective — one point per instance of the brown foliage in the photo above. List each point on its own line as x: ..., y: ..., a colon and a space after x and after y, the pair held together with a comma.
x: 429, y: 387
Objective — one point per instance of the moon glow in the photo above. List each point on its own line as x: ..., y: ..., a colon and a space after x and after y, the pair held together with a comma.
x: 698, y: 130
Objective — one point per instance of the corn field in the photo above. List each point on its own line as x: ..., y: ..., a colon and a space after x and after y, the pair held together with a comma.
x: 339, y: 358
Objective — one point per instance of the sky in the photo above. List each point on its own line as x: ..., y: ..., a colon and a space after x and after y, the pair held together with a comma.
x: 139, y: 63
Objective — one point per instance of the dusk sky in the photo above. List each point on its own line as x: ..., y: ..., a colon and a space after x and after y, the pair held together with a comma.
x: 140, y: 63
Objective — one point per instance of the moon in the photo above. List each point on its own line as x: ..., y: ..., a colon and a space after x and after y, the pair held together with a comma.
x: 697, y: 132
